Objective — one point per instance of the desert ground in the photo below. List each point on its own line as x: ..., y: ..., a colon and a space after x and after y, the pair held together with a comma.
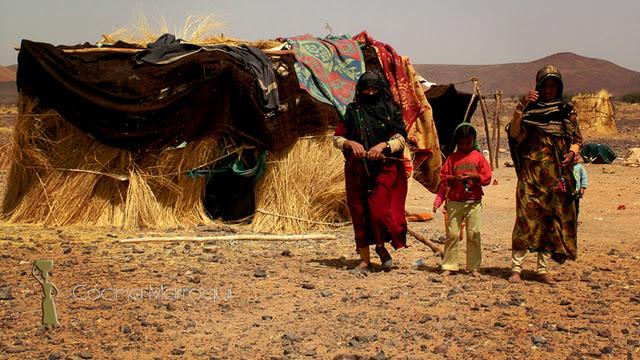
x: 297, y: 300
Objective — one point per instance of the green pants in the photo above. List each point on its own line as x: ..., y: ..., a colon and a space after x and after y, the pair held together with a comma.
x: 459, y: 212
x: 518, y: 256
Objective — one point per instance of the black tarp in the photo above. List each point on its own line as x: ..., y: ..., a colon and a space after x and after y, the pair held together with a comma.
x: 597, y: 153
x: 449, y: 106
x: 144, y: 107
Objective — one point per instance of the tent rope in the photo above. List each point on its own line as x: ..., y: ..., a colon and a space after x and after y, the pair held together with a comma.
x: 122, y: 177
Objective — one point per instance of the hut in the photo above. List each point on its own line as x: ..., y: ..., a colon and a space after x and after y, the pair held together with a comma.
x: 595, y: 113
x: 174, y: 134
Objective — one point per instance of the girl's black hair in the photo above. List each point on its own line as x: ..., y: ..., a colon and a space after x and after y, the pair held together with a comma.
x: 463, y: 132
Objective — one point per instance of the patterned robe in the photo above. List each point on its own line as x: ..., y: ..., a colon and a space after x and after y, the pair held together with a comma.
x: 545, y: 210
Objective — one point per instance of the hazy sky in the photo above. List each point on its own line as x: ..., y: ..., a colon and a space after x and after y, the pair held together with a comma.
x: 429, y: 32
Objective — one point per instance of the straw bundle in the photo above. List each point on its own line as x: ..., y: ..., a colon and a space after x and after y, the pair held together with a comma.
x: 61, y: 176
x: 5, y: 146
x: 4, y: 157
x: 198, y: 29
x: 303, y: 188
x: 595, y: 113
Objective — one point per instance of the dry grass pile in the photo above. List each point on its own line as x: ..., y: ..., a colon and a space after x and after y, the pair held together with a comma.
x: 595, y: 112
x: 60, y: 176
x: 5, y: 146
x: 626, y: 111
x: 302, y: 189
x: 4, y: 157
x: 200, y: 30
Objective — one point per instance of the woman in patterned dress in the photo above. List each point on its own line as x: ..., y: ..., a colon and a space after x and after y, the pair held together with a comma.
x: 544, y: 138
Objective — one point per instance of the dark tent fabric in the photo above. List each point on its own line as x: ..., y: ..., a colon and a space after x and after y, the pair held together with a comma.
x: 167, y: 49
x: 229, y: 193
x: 449, y: 106
x: 144, y: 107
x: 597, y: 153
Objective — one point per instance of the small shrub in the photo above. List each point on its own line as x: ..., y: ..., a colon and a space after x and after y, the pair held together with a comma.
x: 631, y: 98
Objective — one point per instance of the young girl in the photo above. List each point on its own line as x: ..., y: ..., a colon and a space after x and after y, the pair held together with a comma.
x: 462, y: 176
x: 580, y: 174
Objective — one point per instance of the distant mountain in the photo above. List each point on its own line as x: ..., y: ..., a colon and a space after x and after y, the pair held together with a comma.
x: 8, y: 73
x: 8, y: 93
x: 580, y: 74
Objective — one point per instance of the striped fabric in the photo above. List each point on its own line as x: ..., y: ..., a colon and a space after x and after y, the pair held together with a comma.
x: 550, y: 117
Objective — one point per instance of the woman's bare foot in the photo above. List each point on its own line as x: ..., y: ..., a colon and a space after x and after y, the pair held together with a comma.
x: 474, y: 273
x: 546, y: 278
x: 515, y: 277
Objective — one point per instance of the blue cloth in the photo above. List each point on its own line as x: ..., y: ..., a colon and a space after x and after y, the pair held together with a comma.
x: 580, y: 174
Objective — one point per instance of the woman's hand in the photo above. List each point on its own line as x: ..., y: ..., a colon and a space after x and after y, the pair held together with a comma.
x: 568, y: 158
x: 515, y: 127
x: 356, y: 148
x: 375, y: 153
x: 532, y: 95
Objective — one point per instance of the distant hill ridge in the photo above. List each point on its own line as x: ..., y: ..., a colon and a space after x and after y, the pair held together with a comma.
x: 7, y: 73
x: 580, y: 74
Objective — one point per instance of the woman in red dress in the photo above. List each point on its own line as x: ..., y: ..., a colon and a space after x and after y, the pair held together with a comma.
x: 372, y: 137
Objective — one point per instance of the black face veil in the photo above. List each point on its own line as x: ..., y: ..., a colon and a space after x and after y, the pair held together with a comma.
x: 378, y: 109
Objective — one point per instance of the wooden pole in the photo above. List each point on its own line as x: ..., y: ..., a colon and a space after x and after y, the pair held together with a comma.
x: 136, y: 50
x: 240, y: 237
x: 484, y: 116
x: 494, y: 128
x: 433, y: 246
x: 498, y: 126
x: 101, y: 49
x: 473, y: 95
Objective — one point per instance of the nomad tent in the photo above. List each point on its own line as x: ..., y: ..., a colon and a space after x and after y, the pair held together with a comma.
x: 172, y: 134
x: 449, y: 107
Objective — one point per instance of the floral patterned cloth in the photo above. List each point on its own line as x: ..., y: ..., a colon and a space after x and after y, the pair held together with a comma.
x: 328, y: 69
x: 423, y: 138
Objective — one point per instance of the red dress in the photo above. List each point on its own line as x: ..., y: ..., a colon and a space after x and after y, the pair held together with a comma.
x: 376, y: 198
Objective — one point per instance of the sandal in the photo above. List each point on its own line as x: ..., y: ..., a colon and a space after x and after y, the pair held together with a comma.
x: 359, y: 270
x: 386, y: 266
x: 385, y: 258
